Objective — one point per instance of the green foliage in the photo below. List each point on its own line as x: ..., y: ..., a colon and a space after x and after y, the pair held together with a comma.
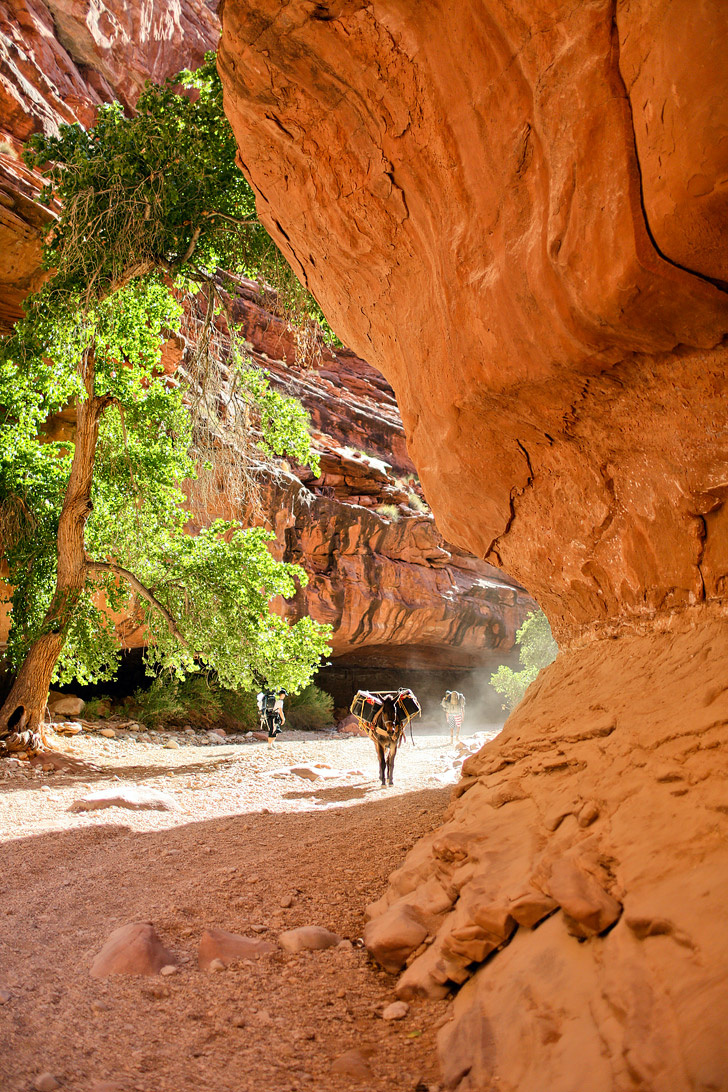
x: 198, y: 701
x: 239, y: 710
x: 159, y: 703
x: 536, y: 650
x: 311, y: 710
x: 146, y: 204
x: 158, y: 191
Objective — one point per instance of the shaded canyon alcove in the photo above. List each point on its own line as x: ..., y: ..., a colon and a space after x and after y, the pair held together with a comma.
x: 397, y: 595
x: 518, y: 213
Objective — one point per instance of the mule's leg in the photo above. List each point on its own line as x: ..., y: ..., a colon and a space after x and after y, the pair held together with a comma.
x: 392, y: 751
x: 380, y: 756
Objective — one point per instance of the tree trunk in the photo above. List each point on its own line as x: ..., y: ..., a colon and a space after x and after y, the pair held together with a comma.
x: 23, y: 712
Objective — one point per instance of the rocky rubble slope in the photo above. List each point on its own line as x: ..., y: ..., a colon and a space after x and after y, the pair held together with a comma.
x: 517, y: 212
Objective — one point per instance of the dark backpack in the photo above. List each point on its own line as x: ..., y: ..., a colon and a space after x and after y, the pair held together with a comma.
x: 269, y: 701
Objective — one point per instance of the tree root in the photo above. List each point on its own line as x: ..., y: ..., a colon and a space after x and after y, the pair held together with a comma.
x: 26, y: 741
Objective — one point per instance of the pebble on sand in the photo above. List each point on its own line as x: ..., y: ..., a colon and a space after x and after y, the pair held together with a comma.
x: 352, y: 1063
x: 45, y: 1082
x: 396, y: 1011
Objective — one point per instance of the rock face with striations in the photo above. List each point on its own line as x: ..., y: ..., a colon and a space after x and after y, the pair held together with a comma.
x: 395, y: 592
x: 519, y: 214
x: 379, y: 572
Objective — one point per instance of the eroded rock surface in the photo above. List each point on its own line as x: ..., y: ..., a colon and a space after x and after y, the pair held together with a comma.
x: 585, y: 853
x: 460, y: 186
x: 517, y: 213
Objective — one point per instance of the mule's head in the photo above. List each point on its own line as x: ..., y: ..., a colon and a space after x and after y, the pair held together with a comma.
x: 389, y: 715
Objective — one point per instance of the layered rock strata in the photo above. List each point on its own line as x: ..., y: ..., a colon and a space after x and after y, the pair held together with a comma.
x: 518, y: 214
x: 395, y: 592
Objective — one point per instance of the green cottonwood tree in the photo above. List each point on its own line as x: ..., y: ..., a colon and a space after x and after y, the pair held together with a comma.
x: 536, y: 649
x: 95, y: 524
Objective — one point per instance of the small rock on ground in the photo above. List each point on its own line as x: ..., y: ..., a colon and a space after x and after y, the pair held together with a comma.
x: 45, y: 1082
x: 396, y: 1011
x: 310, y: 938
x: 352, y: 1063
x: 221, y: 946
x: 132, y: 949
x: 129, y: 796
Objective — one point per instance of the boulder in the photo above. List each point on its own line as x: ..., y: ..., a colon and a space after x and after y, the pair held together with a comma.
x: 394, y: 935
x: 132, y: 949
x: 65, y: 705
x: 396, y: 1011
x: 352, y: 1064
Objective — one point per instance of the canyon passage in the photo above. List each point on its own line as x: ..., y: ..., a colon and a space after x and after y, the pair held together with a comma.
x: 517, y: 214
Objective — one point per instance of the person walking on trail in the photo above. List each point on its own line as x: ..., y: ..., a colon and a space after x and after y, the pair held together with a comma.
x: 272, y: 717
x: 453, y: 705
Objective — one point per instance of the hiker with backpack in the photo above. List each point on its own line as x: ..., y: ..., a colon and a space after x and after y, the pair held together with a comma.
x: 453, y: 706
x: 270, y: 707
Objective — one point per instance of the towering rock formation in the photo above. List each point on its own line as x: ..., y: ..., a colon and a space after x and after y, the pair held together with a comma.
x: 518, y: 213
x: 394, y: 591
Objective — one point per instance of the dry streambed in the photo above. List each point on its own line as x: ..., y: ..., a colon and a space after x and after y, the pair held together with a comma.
x: 256, y: 841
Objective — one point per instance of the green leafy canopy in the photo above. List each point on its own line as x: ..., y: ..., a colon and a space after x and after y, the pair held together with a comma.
x: 149, y: 207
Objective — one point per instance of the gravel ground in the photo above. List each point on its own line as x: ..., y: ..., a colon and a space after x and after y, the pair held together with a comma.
x: 247, y: 839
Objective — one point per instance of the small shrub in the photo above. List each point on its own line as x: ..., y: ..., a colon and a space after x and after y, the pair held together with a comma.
x: 200, y: 697
x: 389, y: 511
x: 98, y: 707
x: 415, y: 501
x: 160, y: 702
x: 310, y: 710
x: 239, y: 710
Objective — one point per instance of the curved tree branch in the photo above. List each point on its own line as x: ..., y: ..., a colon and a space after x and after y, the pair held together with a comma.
x: 140, y: 589
x: 192, y: 244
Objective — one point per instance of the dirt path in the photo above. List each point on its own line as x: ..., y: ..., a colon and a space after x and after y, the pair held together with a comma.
x: 244, y: 842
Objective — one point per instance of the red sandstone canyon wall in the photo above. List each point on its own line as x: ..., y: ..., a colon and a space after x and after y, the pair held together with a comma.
x: 395, y: 592
x: 517, y: 212
x: 467, y: 205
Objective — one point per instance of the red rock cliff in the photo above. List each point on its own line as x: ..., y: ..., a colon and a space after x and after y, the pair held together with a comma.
x: 467, y: 205
x: 393, y: 590
x: 518, y: 212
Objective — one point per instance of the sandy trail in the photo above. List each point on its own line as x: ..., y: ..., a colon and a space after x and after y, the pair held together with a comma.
x: 68, y: 880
